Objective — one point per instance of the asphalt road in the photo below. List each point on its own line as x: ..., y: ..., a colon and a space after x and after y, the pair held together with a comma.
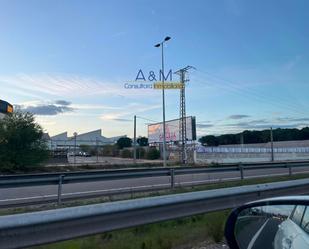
x: 29, y: 194
x: 259, y: 233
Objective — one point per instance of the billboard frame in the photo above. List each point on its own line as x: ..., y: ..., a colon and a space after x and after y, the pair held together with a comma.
x: 193, y: 129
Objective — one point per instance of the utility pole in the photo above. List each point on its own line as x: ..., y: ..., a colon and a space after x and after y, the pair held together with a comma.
x: 272, y: 143
x: 182, y: 121
x: 97, y: 149
x: 134, y: 140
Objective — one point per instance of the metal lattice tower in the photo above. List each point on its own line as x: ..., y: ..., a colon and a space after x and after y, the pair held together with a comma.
x: 182, y: 111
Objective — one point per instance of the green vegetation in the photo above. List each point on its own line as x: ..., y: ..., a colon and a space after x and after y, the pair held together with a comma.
x: 22, y: 147
x: 124, y: 142
x: 142, y: 141
x: 163, y: 235
x: 140, y: 153
x: 153, y: 154
x: 125, y: 153
x: 256, y: 136
x: 110, y: 150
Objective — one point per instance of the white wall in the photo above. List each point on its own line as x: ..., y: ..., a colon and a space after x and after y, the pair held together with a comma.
x: 202, y: 158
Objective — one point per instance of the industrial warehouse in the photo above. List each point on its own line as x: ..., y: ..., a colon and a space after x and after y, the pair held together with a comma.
x: 92, y: 138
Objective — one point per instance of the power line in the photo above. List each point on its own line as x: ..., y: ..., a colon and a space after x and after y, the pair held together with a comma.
x: 230, y: 83
x: 231, y: 87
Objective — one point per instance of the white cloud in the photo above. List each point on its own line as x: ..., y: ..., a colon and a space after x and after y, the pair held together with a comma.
x: 129, y: 110
x: 66, y: 85
x: 95, y: 107
x: 60, y: 84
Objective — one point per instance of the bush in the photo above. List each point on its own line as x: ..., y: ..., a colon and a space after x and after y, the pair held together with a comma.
x: 110, y: 150
x: 22, y: 146
x: 126, y: 153
x: 215, y: 225
x: 153, y: 154
x: 140, y: 153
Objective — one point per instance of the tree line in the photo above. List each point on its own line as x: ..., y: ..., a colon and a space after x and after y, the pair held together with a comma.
x: 250, y: 137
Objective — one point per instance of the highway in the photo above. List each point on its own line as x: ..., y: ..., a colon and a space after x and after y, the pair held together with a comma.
x: 17, y: 196
x: 259, y: 233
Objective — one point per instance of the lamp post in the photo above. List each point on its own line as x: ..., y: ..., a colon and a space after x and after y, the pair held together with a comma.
x: 75, y: 135
x: 161, y: 44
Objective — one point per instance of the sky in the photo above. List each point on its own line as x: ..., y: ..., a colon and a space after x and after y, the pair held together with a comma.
x: 68, y: 62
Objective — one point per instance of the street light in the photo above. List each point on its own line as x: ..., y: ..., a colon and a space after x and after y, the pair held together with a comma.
x: 75, y: 135
x: 161, y: 44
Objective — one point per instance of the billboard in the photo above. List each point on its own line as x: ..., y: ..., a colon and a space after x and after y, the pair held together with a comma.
x: 5, y: 107
x: 155, y: 131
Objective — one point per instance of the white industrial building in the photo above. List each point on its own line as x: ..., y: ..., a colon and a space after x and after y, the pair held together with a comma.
x: 92, y: 138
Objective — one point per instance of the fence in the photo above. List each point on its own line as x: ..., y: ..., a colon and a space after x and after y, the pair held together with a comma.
x: 202, y: 149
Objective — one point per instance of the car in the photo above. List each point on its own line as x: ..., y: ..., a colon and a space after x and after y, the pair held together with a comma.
x: 84, y: 154
x: 279, y: 223
x: 294, y: 231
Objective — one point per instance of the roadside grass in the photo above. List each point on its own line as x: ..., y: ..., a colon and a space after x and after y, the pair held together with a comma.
x: 132, y: 195
x: 163, y: 235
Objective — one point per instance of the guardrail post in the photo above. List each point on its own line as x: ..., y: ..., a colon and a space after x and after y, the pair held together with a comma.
x: 172, y: 174
x: 290, y: 169
x: 241, y: 168
x: 60, y: 189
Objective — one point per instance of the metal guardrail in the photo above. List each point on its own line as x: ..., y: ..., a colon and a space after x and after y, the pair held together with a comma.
x: 101, y: 175
x: 14, y: 181
x: 29, y: 229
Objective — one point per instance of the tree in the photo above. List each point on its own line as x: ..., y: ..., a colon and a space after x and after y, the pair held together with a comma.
x: 209, y: 140
x: 257, y: 136
x: 142, y: 141
x: 124, y: 142
x: 21, y: 142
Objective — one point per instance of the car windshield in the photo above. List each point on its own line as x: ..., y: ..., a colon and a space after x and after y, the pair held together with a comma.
x: 142, y: 124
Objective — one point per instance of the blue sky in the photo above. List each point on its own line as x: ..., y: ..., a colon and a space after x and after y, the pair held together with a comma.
x: 68, y: 61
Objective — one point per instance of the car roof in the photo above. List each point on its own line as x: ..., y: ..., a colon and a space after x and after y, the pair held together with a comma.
x: 285, y: 198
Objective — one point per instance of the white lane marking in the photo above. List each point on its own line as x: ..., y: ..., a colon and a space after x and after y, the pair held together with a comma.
x: 27, y: 198
x: 256, y: 235
x: 88, y: 192
x: 117, y: 189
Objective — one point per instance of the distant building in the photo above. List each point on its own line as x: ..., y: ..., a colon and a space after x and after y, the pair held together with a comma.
x: 91, y: 138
